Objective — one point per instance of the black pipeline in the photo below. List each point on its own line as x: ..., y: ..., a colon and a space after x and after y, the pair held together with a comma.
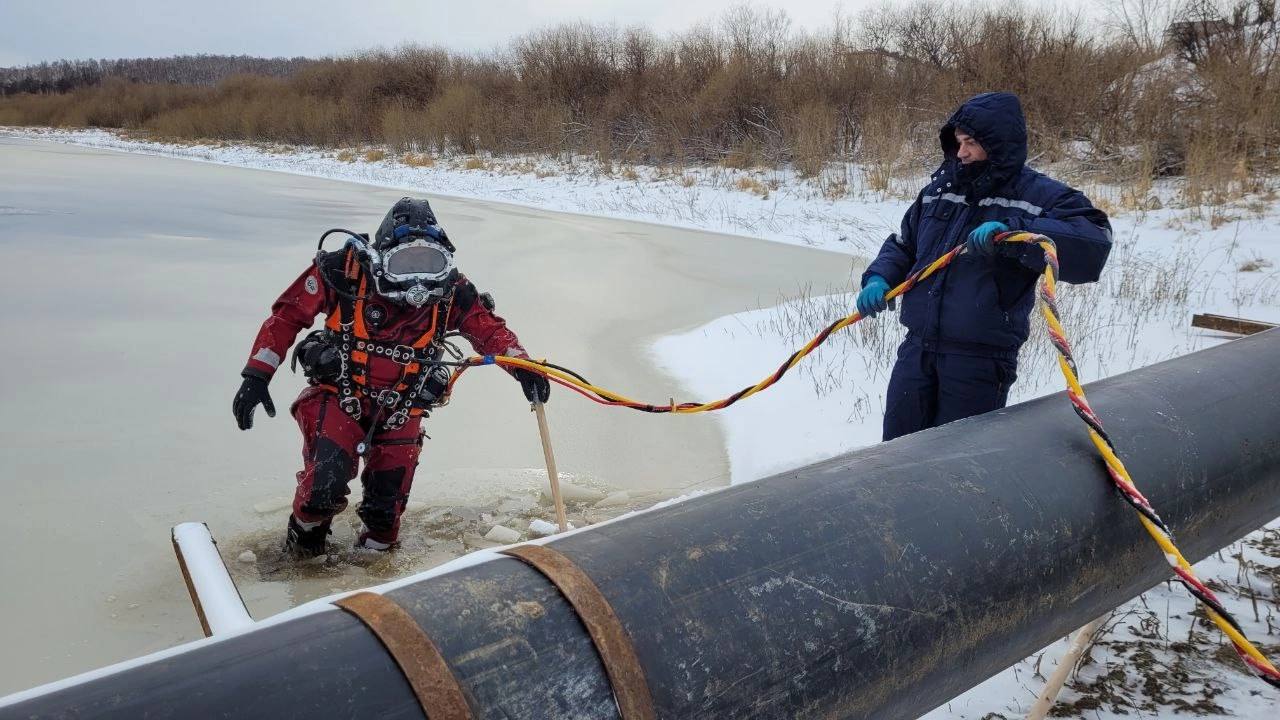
x: 877, y: 584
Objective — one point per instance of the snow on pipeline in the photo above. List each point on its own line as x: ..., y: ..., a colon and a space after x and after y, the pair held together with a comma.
x: 1154, y: 655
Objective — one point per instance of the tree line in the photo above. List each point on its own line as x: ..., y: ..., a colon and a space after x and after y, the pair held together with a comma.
x: 63, y: 76
x: 1156, y: 88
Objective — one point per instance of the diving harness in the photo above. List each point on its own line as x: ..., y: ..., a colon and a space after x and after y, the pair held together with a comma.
x: 338, y: 355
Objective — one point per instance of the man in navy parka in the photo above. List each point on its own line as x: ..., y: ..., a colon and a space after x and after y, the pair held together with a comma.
x: 966, y: 323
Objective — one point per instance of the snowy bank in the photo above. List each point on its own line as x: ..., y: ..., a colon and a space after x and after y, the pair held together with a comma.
x: 1165, y: 267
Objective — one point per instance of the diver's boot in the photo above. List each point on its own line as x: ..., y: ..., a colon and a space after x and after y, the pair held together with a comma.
x: 366, y: 541
x: 303, y: 541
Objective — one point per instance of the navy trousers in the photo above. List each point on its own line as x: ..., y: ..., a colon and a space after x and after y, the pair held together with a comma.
x: 928, y: 389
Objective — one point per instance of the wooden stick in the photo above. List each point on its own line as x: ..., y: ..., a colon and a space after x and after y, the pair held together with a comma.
x: 550, y: 456
x: 1049, y: 694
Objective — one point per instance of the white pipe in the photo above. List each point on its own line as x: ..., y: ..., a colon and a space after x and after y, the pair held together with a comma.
x: 213, y: 592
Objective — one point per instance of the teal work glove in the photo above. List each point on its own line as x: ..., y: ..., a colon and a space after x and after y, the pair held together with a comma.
x: 982, y: 240
x: 871, y: 299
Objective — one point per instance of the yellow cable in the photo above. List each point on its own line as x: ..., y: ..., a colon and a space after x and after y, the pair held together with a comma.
x: 1113, y: 461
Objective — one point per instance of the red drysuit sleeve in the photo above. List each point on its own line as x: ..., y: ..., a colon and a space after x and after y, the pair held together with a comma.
x: 487, y: 332
x: 294, y: 311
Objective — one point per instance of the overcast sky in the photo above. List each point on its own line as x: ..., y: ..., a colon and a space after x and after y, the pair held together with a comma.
x: 36, y: 30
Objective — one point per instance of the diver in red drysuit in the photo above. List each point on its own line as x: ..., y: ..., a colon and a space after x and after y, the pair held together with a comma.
x: 388, y: 305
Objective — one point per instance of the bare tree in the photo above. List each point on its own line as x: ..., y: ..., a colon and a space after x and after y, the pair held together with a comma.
x: 1142, y: 23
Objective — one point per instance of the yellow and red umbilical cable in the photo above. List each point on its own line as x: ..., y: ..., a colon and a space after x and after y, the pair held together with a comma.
x: 580, y: 385
x: 1156, y: 527
x: 1147, y: 515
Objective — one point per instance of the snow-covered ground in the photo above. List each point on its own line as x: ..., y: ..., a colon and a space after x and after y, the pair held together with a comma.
x: 1165, y: 266
x: 1155, y: 656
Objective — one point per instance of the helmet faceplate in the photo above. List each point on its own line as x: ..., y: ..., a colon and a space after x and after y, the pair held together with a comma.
x: 412, y: 258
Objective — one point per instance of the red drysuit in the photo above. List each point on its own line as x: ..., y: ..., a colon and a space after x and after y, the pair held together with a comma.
x: 329, y: 435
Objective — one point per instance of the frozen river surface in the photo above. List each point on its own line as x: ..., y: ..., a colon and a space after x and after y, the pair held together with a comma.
x: 134, y: 286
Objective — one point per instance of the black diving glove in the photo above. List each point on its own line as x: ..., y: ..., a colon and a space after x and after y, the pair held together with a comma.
x: 536, y: 387
x: 253, y: 391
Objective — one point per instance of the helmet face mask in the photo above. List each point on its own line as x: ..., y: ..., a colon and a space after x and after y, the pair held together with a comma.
x: 415, y: 272
x: 411, y: 257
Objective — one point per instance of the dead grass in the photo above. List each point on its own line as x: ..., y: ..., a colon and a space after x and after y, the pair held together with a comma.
x: 743, y: 157
x: 1138, y: 290
x: 374, y: 155
x: 752, y: 185
x: 881, y: 149
x: 1138, y: 183
x: 1153, y: 663
x: 1255, y: 264
x: 835, y: 188
x: 418, y: 160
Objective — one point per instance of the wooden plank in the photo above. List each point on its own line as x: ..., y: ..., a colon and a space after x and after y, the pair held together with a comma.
x: 1222, y: 323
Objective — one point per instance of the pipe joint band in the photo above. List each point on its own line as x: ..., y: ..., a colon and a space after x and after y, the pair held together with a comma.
x: 419, y: 659
x: 613, y: 644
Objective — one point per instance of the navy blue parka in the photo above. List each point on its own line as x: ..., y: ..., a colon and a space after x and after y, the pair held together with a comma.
x: 981, y: 305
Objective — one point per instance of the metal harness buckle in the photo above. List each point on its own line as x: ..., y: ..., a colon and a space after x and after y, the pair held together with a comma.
x: 350, y: 406
x: 404, y: 354
x: 387, y: 398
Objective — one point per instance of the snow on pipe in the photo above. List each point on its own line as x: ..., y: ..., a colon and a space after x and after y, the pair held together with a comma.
x: 878, y: 584
x: 215, y: 596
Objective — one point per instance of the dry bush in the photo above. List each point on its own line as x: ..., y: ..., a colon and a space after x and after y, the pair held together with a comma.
x: 814, y: 129
x: 375, y: 155
x: 455, y: 120
x: 574, y: 65
x: 404, y: 128
x: 882, y: 148
x: 747, y: 92
x: 38, y: 110
x: 115, y: 103
x: 1229, y: 115
x: 744, y: 156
